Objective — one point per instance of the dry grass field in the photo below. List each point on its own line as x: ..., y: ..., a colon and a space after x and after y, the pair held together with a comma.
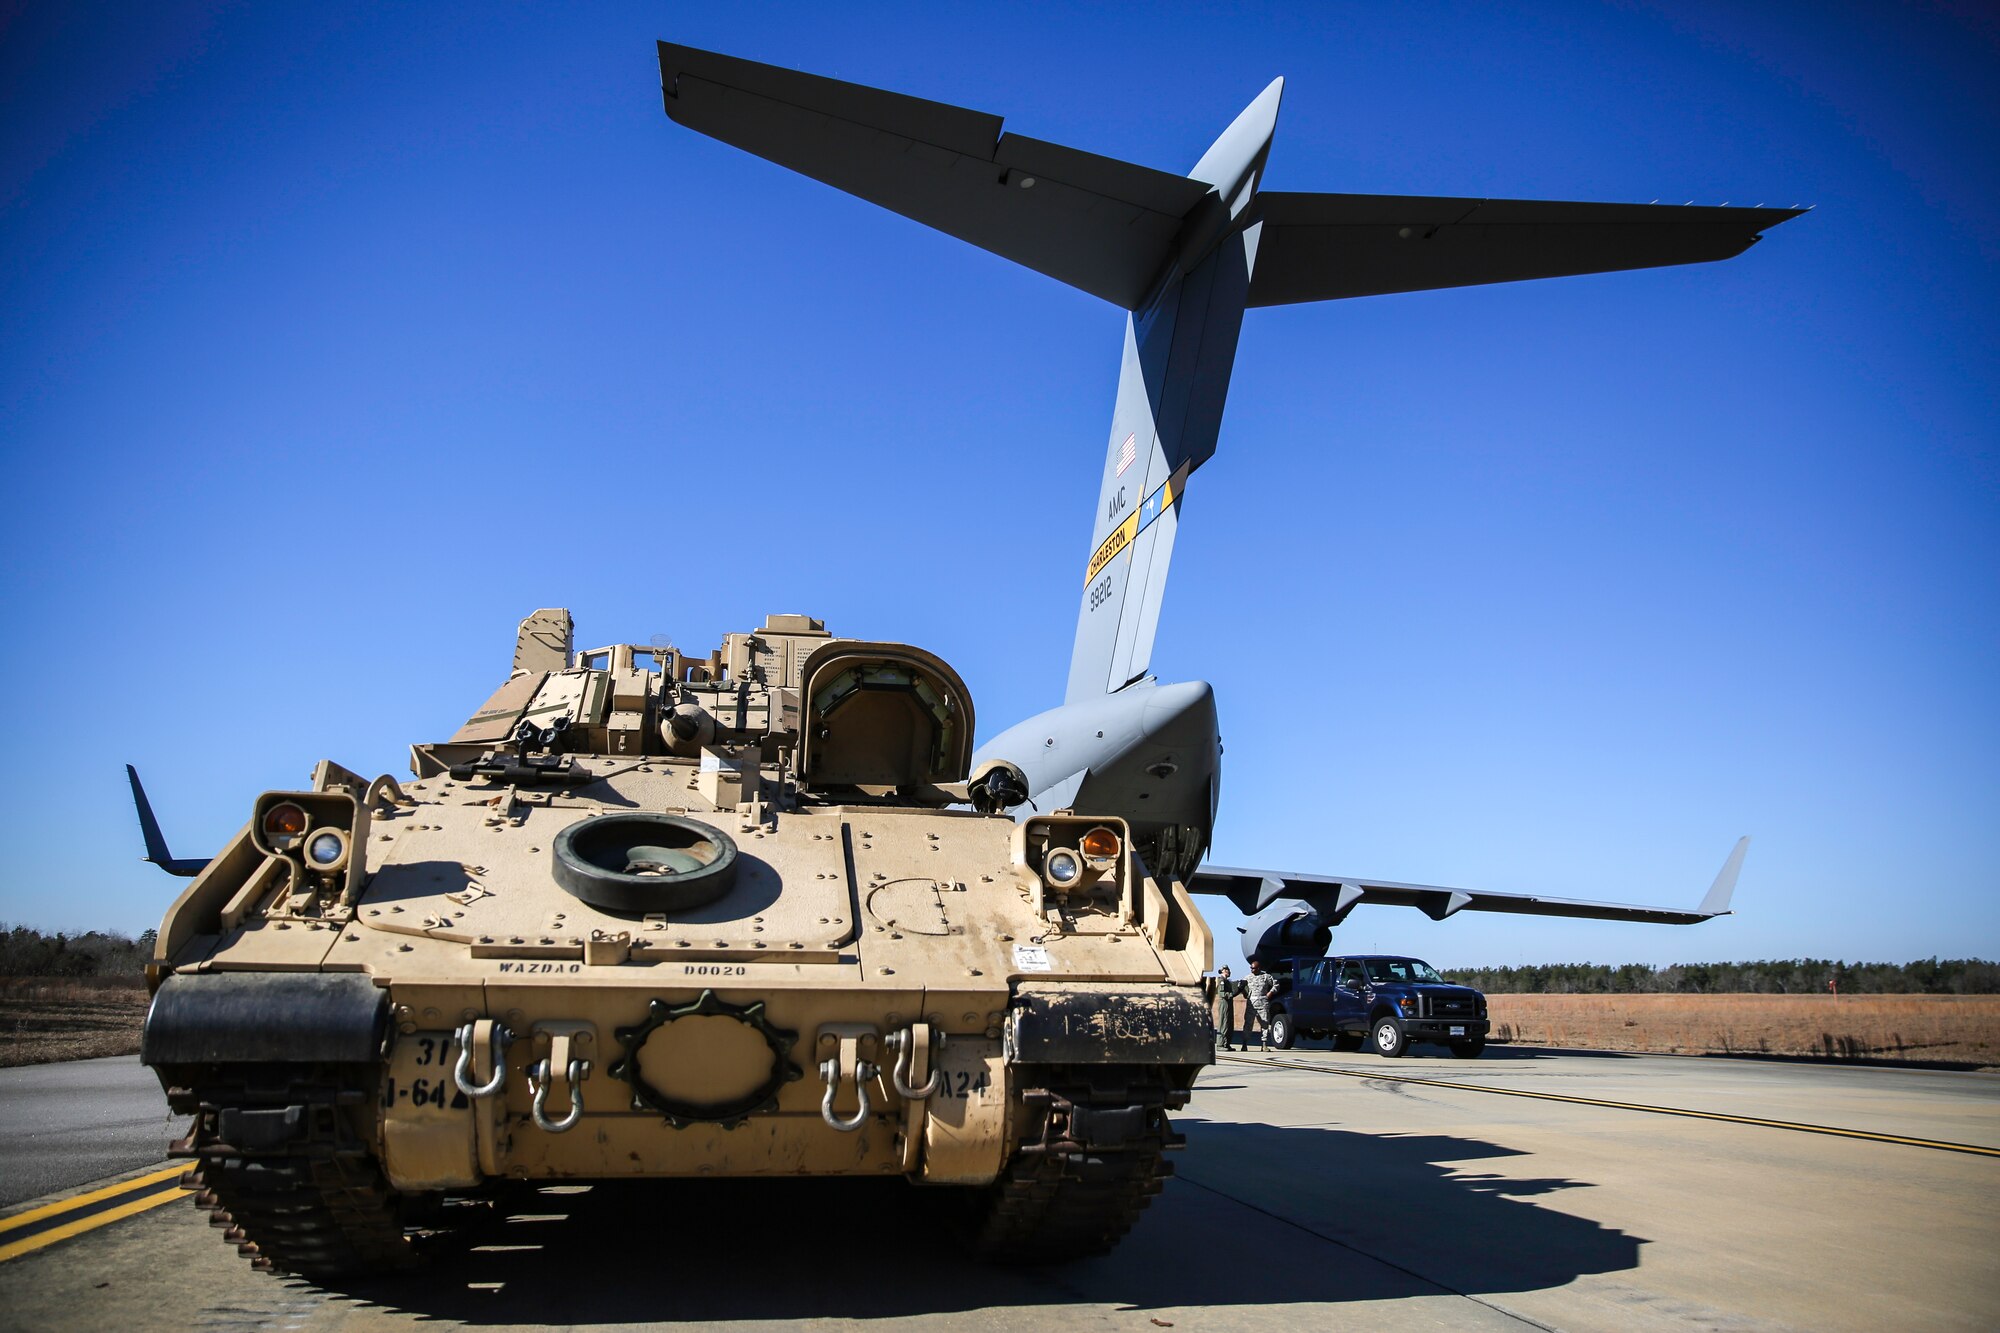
x: 46, y: 1018
x: 1962, y: 1029
x: 58, y: 1018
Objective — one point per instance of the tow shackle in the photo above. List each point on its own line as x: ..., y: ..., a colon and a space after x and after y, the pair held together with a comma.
x: 461, y: 1073
x: 904, y: 1042
x: 539, y: 1080
x: 864, y: 1074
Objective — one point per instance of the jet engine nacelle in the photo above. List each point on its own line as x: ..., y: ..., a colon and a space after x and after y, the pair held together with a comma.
x: 1285, y: 930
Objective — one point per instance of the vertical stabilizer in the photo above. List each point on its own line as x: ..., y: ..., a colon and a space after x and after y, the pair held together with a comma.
x: 1234, y: 163
x: 1180, y: 347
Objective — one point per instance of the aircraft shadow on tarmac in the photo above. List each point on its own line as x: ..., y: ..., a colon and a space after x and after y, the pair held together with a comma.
x: 1264, y: 1215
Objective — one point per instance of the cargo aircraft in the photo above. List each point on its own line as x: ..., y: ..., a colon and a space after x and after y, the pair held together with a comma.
x: 1184, y: 257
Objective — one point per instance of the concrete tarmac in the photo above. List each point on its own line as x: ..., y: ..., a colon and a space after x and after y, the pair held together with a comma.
x: 1311, y: 1195
x: 68, y: 1124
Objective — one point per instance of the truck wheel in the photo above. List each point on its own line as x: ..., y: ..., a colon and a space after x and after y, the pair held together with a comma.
x: 1468, y: 1050
x: 1388, y: 1037
x: 1346, y: 1041
x: 1281, y: 1031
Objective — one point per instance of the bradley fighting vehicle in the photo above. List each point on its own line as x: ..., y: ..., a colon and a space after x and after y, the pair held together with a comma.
x: 651, y: 915
x: 765, y: 912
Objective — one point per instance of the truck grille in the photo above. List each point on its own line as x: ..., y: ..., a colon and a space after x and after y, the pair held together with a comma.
x: 1450, y: 1006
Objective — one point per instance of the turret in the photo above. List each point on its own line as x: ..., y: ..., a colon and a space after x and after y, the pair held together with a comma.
x: 850, y: 720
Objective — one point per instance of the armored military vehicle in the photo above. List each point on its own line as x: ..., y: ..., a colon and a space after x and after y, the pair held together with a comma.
x: 647, y: 914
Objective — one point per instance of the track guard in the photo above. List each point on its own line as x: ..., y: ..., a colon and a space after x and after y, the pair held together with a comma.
x: 1054, y: 1024
x: 259, y: 1017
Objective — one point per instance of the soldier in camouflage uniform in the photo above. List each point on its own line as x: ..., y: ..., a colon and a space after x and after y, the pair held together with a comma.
x: 1262, y: 988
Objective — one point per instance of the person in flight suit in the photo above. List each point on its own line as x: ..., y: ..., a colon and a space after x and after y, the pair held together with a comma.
x: 1222, y: 993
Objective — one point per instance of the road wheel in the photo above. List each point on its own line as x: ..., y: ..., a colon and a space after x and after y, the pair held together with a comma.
x: 1281, y: 1031
x: 1468, y: 1050
x: 1346, y: 1041
x: 1387, y: 1036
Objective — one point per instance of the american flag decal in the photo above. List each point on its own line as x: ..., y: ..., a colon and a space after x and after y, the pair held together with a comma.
x: 1127, y: 452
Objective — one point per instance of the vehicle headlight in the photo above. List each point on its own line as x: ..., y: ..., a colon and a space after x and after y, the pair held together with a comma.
x: 1062, y: 867
x: 326, y: 850
x: 1406, y: 1004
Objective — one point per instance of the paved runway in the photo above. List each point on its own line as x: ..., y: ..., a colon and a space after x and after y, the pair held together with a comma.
x: 1311, y: 1195
x: 63, y: 1125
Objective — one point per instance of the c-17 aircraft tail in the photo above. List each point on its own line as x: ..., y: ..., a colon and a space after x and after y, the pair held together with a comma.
x: 1180, y: 346
x: 1185, y: 257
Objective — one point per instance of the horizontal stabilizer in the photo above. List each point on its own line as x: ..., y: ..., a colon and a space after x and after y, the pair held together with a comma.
x: 1093, y: 222
x: 1321, y: 247
x: 1334, y: 896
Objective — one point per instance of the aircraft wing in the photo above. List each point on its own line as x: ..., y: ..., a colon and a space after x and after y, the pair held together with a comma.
x: 1093, y: 222
x: 156, y: 842
x: 1333, y: 897
x: 1320, y: 247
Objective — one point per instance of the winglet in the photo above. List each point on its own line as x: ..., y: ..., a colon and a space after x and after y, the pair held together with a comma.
x: 156, y: 844
x: 1717, y: 901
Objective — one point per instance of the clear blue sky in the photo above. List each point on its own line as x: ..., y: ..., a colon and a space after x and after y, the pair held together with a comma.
x: 334, y: 339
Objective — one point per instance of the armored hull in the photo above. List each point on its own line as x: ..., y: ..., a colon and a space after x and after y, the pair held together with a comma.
x: 650, y: 916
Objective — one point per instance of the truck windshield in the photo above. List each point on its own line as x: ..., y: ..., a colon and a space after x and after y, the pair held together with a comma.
x: 1401, y: 969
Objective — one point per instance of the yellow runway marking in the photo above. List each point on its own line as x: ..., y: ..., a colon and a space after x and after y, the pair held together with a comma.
x: 158, y: 1187
x: 19, y: 1220
x: 1940, y: 1144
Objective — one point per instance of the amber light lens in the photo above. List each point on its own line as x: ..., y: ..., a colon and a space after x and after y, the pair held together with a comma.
x: 1100, y: 844
x: 285, y: 821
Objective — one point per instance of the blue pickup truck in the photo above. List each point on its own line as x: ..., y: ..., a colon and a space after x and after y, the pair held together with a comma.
x: 1382, y: 1000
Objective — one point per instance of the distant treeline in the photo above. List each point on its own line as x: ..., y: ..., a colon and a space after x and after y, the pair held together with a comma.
x: 26, y: 952
x: 1777, y: 976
